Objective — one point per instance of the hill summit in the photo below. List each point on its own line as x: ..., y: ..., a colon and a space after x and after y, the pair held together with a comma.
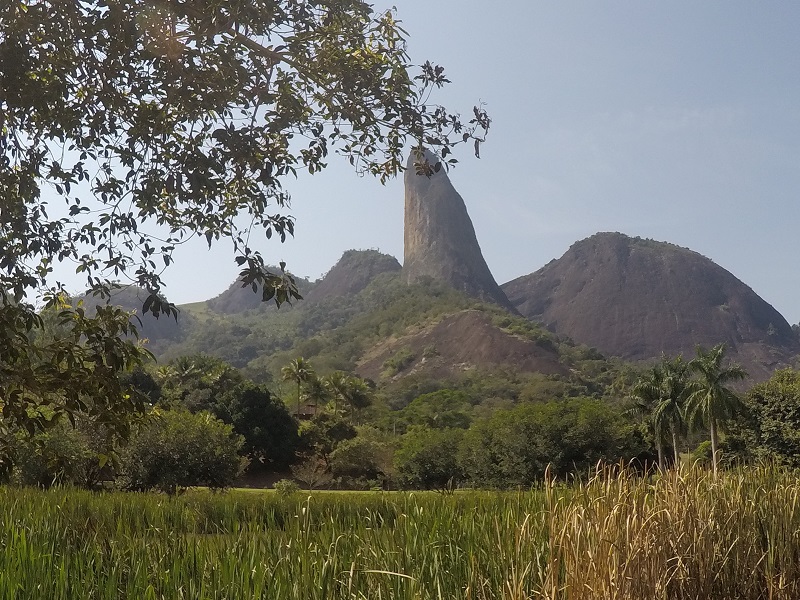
x: 354, y: 271
x: 638, y: 298
x: 439, y: 237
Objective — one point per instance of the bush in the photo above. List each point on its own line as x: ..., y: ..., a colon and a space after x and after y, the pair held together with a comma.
x: 286, y: 487
x: 513, y: 448
x: 177, y: 449
x: 62, y: 455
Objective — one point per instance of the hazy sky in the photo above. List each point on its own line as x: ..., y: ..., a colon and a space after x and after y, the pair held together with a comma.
x: 678, y: 121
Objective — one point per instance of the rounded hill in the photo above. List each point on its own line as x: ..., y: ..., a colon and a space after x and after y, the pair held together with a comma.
x: 638, y: 298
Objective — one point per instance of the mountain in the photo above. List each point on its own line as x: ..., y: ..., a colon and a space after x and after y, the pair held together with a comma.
x: 439, y: 238
x: 238, y: 299
x: 637, y: 298
x: 160, y: 332
x: 354, y: 271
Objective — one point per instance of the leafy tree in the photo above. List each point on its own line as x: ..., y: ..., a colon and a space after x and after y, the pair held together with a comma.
x: 205, y: 383
x: 710, y: 400
x: 154, y: 122
x: 513, y: 447
x: 323, y: 434
x: 773, y: 426
x: 360, y: 460
x: 269, y: 431
x: 178, y: 449
x: 428, y: 458
x: 439, y: 410
x: 64, y: 454
x: 196, y: 382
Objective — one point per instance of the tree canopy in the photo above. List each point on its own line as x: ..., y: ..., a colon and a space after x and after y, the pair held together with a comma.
x: 128, y: 127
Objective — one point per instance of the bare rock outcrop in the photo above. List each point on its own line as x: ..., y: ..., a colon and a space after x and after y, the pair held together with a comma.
x: 638, y: 298
x: 440, y: 240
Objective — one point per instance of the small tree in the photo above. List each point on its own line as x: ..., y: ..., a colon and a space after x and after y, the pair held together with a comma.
x: 177, y: 449
x: 773, y: 426
x: 428, y: 458
x: 360, y: 460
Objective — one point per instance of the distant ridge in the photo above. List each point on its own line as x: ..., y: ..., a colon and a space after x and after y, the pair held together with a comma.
x: 439, y: 237
x: 637, y: 299
x: 238, y: 299
x: 159, y: 331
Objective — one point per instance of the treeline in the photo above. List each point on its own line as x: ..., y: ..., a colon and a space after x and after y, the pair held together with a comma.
x: 208, y: 425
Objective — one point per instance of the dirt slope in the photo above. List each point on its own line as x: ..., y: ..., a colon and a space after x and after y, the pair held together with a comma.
x: 459, y: 342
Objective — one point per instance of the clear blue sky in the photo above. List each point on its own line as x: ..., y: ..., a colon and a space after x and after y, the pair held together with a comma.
x: 678, y: 121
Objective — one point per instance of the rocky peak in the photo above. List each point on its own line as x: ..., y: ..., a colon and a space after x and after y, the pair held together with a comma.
x: 439, y: 237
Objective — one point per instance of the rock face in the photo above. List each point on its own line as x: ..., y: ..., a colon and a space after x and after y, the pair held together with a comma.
x: 638, y: 298
x: 354, y: 271
x: 439, y: 238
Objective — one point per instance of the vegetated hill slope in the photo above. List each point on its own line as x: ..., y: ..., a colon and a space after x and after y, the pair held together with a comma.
x: 388, y: 331
x: 462, y: 341
x: 638, y: 298
x: 354, y: 271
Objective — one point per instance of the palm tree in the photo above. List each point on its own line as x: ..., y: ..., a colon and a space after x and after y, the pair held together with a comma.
x: 316, y: 392
x: 710, y: 400
x: 299, y: 371
x: 359, y: 395
x: 669, y: 412
x: 646, y: 394
x: 338, y: 386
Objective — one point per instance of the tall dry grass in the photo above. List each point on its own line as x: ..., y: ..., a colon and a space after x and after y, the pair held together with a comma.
x: 679, y: 535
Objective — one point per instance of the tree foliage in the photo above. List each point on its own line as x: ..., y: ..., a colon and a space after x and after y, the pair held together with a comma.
x: 127, y: 128
x: 774, y: 418
x: 204, y: 383
x: 178, y: 449
x: 513, y: 448
x: 428, y: 458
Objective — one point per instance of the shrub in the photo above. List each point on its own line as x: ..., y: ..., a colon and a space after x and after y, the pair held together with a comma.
x: 286, y: 487
x: 399, y: 362
x: 62, y: 455
x: 359, y: 459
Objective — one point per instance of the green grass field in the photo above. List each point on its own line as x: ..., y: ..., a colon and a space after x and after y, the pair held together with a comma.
x: 679, y: 536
